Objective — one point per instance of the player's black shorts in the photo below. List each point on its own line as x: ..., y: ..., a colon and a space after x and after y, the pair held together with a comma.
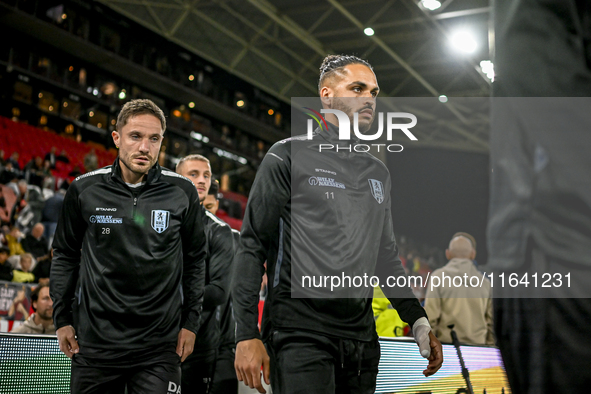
x: 224, y: 379
x: 198, y: 371
x: 308, y: 363
x: 156, y: 370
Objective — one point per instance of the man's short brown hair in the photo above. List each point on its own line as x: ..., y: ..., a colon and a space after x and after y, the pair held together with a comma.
x: 192, y: 158
x: 139, y: 107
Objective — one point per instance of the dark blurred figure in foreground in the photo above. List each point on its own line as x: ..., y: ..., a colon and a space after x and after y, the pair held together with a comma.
x: 540, y: 206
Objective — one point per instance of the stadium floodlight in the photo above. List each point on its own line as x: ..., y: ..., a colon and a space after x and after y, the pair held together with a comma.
x: 368, y: 31
x: 488, y: 68
x: 463, y: 41
x: 443, y: 98
x: 430, y: 5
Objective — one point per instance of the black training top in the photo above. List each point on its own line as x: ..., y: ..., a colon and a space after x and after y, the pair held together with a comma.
x: 317, y: 214
x: 220, y: 252
x: 227, y: 322
x: 138, y: 256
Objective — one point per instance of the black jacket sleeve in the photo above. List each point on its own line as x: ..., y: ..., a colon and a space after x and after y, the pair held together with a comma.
x: 193, y: 239
x: 65, y: 265
x: 269, y: 195
x: 389, y: 264
x: 220, y: 258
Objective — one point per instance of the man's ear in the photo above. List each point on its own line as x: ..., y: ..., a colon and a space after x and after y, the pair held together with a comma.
x: 447, y: 254
x: 326, y: 94
x: 473, y: 255
x: 116, y: 137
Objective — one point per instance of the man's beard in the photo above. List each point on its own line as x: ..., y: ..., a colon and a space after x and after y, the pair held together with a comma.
x: 339, y: 103
x: 128, y: 163
x: 45, y: 316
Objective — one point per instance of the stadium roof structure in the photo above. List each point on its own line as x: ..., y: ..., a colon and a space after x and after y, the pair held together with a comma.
x: 278, y: 46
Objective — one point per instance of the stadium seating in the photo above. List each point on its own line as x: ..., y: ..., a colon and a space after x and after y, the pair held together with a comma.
x: 30, y: 141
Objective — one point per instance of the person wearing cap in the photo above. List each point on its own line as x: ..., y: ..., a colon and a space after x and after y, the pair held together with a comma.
x: 468, y: 308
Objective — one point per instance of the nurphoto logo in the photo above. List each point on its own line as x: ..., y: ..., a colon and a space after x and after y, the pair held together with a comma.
x: 345, y: 130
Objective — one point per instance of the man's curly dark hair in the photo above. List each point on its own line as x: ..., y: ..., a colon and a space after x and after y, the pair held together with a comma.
x: 335, y: 63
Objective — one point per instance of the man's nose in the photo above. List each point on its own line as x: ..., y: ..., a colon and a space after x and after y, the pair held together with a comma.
x: 145, y: 145
x: 368, y: 97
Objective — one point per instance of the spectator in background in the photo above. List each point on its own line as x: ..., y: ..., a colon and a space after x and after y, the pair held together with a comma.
x: 2, y: 160
x: 13, y: 241
x: 9, y: 175
x: 51, y: 157
x: 40, y: 322
x: 23, y: 272
x: 63, y: 157
x: 51, y: 211
x: 29, y: 204
x: 42, y: 269
x: 4, y: 214
x: 3, y: 231
x: 76, y: 171
x: 5, y: 267
x: 388, y: 321
x: 19, y: 310
x: 470, y: 238
x: 91, y: 161
x: 13, y: 159
x: 36, y: 244
x: 46, y: 171
x: 26, y: 262
x: 34, y: 171
x: 468, y: 308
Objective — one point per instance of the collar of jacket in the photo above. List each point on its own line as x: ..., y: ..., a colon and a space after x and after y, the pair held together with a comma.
x: 458, y: 262
x: 153, y: 173
x: 332, y: 135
